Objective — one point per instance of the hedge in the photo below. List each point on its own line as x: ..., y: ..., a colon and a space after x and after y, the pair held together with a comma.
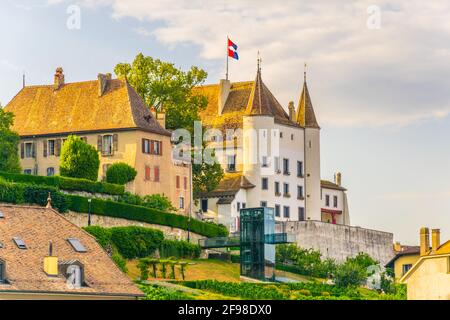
x: 19, y: 193
x: 64, y: 183
x: 179, y: 250
x: 148, y: 215
x: 140, y: 242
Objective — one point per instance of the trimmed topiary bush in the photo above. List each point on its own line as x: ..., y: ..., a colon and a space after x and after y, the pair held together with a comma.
x: 120, y: 173
x: 79, y: 159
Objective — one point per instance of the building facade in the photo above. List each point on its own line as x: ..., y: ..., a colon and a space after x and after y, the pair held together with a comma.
x: 271, y: 157
x: 429, y: 277
x: 109, y: 115
x: 405, y: 257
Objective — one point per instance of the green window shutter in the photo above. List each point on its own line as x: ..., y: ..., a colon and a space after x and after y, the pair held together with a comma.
x: 44, y: 144
x: 34, y: 150
x: 22, y: 150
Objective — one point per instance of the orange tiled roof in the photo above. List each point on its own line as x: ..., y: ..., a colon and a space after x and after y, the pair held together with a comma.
x: 230, y: 184
x: 245, y: 99
x: 78, y: 107
x: 305, y: 113
x: 37, y: 227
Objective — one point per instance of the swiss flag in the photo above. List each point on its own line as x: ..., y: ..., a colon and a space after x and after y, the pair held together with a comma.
x: 232, y: 50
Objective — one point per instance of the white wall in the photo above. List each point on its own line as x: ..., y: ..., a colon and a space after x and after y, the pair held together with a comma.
x: 341, y: 205
x: 291, y: 146
x: 312, y: 165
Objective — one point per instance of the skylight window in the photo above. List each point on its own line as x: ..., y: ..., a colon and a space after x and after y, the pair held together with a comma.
x: 2, y: 215
x: 20, y: 243
x: 77, y: 245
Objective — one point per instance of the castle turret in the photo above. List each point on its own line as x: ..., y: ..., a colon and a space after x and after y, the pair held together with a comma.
x: 307, y: 119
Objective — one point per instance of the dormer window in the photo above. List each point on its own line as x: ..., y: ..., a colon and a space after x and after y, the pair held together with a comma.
x: 73, y: 271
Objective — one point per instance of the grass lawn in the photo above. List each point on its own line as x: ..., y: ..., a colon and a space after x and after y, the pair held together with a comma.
x: 199, y: 270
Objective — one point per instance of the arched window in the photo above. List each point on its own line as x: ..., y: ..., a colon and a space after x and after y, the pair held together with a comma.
x: 50, y: 172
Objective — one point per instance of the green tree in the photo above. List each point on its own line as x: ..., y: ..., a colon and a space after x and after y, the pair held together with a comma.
x: 120, y: 173
x: 167, y: 88
x: 9, y: 144
x: 79, y: 159
x: 363, y: 260
x: 158, y: 201
x: 206, y: 177
x: 350, y: 274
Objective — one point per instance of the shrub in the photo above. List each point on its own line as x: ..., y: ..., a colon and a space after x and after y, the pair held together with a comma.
x: 65, y: 183
x: 136, y: 242
x: 159, y: 202
x: 120, y: 262
x: 142, y: 214
x: 79, y: 159
x: 304, y: 261
x: 179, y: 249
x: 350, y: 274
x: 11, y: 192
x: 120, y: 173
x: 154, y: 201
x: 102, y: 235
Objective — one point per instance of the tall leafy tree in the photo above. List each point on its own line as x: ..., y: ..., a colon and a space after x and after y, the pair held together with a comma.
x: 79, y: 159
x: 9, y: 144
x: 167, y: 88
x: 206, y: 177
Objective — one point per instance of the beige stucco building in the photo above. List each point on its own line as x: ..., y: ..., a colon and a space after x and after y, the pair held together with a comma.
x: 108, y: 114
x: 429, y: 277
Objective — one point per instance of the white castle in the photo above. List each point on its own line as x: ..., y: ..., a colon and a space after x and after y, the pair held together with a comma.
x: 277, y: 165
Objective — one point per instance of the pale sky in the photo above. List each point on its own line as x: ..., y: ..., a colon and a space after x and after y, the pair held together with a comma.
x: 380, y: 87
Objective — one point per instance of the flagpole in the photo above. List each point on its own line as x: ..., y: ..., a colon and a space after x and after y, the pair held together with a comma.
x: 228, y: 58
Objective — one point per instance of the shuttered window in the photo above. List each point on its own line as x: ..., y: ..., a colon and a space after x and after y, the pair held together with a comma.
x: 178, y: 182
x: 152, y: 147
x: 58, y: 143
x: 156, y: 176
x: 185, y: 183
x: 147, y: 173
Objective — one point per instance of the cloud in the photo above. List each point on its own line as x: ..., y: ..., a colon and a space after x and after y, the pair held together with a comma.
x: 396, y: 75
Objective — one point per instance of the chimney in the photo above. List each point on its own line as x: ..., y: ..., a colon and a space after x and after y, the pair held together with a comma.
x: 224, y: 91
x: 103, y: 83
x: 397, y: 247
x: 49, y: 201
x: 291, y: 111
x: 435, y: 239
x: 424, y: 241
x: 161, y: 118
x: 338, y: 179
x: 51, y: 263
x: 59, y: 78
